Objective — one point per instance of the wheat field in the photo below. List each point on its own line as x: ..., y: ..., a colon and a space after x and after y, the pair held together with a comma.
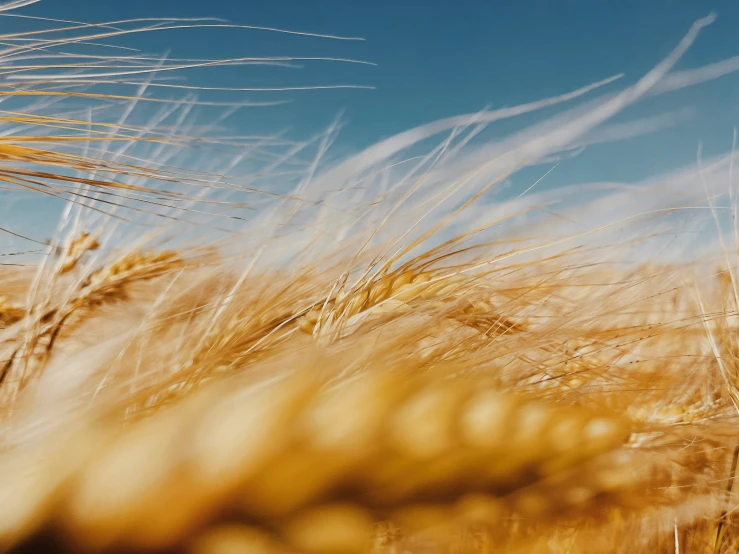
x: 365, y: 355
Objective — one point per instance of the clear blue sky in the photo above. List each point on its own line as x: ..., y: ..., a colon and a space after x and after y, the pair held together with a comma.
x: 438, y: 58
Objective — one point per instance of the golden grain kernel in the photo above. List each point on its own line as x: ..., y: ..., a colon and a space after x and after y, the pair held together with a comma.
x: 532, y: 503
x: 531, y: 423
x: 486, y: 419
x: 294, y: 480
x: 351, y: 417
x: 480, y: 508
x: 232, y: 539
x: 616, y: 471
x: 402, y: 280
x: 246, y: 429
x: 379, y: 291
x: 420, y: 278
x: 577, y: 495
x: 603, y: 432
x: 566, y: 432
x: 417, y: 518
x: 306, y: 325
x: 426, y: 424
x: 356, y: 303
x: 312, y: 316
x: 330, y: 529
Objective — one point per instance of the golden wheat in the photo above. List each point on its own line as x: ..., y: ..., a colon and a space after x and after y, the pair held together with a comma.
x: 383, y: 440
x: 397, y: 391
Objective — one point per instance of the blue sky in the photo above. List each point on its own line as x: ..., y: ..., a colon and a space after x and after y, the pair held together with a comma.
x: 439, y: 58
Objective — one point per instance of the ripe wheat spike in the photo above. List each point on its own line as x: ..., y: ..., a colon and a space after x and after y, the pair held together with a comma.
x: 272, y: 453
